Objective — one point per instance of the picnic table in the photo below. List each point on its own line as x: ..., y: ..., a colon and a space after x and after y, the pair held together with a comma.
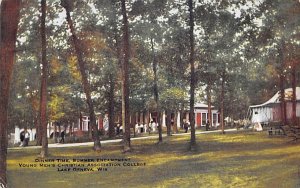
x: 275, y: 131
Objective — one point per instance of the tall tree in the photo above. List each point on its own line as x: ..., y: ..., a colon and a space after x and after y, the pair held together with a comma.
x: 155, y: 92
x: 25, y: 96
x: 9, y: 24
x: 281, y: 51
x: 67, y: 4
x: 111, y: 105
x: 44, y: 77
x: 222, y: 96
x: 192, y: 76
x: 280, y: 27
x: 108, y: 69
x: 125, y: 84
x: 150, y: 12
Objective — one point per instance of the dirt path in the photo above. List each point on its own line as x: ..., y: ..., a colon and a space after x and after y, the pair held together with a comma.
x: 59, y: 145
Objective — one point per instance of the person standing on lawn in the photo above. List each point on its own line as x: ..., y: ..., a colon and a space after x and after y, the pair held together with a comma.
x: 62, y: 135
x: 26, y: 138
x: 207, y: 125
x: 186, y: 126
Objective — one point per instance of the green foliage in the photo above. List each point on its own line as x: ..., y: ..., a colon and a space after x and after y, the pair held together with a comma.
x: 173, y: 98
x: 55, y: 108
x: 241, y: 38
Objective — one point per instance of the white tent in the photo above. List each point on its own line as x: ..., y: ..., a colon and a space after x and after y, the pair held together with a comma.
x: 270, y: 110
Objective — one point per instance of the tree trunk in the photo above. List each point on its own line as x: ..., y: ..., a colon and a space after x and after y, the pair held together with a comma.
x: 125, y: 84
x: 38, y: 131
x: 65, y: 130
x: 44, y: 77
x: 168, y: 123
x: 147, y: 121
x: 193, y: 80
x: 282, y: 85
x: 132, y: 123
x: 54, y: 133
x: 222, y: 101
x: 294, y: 97
x: 208, y: 88
x: 8, y: 32
x: 181, y: 115
x: 111, y: 106
x: 70, y: 130
x: 80, y: 121
x: 160, y: 139
x: 90, y: 130
x: 282, y: 99
x: 84, y: 78
x: 112, y: 78
x: 155, y: 90
x: 59, y: 133
x: 175, y: 122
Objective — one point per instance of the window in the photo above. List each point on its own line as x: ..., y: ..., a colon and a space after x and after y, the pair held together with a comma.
x: 204, y: 115
x: 214, y: 119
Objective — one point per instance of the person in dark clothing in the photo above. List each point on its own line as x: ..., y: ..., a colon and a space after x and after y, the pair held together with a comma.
x: 26, y: 138
x: 207, y: 126
x: 186, y: 126
x: 62, y: 135
x: 22, y: 138
x: 118, y: 129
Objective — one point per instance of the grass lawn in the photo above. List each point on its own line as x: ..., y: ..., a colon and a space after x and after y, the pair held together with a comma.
x: 244, y: 159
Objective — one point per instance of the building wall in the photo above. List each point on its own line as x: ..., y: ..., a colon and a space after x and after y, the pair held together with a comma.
x: 201, y: 117
x: 262, y: 114
x: 200, y: 120
x: 290, y: 110
x: 276, y: 110
x: 273, y: 113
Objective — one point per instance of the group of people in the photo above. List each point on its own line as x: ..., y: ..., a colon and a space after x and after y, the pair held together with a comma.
x: 25, y: 136
x: 153, y: 126
x: 186, y: 126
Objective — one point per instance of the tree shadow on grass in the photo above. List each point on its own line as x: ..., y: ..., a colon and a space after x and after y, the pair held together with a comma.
x: 217, y: 162
x: 266, y: 168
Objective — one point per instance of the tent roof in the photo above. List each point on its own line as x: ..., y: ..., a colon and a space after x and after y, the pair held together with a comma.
x: 275, y: 99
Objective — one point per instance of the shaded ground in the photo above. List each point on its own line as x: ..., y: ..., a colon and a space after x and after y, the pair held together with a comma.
x: 245, y: 159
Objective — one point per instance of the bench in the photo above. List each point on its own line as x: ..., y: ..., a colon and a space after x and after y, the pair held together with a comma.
x: 275, y: 131
x: 292, y: 132
x: 296, y: 133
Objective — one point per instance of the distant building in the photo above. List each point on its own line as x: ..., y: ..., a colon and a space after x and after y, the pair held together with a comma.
x: 201, y: 115
x: 82, y: 124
